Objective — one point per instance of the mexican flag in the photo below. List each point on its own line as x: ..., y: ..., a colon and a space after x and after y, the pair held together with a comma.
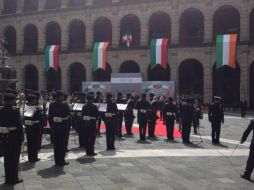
x: 100, y: 55
x: 159, y: 52
x: 51, y: 57
x: 225, y: 50
x: 127, y: 39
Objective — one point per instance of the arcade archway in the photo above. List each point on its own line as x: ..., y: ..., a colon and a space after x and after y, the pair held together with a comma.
x: 101, y: 75
x: 30, y: 39
x: 11, y: 37
x: 251, y: 85
x: 53, y: 79
x: 53, y: 34
x: 103, y: 30
x: 191, y: 78
x: 158, y: 73
x: 226, y: 84
x: 77, y: 35
x: 31, y: 77
x: 129, y: 67
x: 77, y: 75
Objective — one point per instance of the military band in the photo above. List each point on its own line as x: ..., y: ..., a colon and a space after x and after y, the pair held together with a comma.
x: 85, y: 112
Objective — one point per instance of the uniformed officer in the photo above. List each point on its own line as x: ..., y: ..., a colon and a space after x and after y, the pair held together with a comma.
x: 59, y: 117
x: 110, y: 120
x: 79, y: 121
x: 152, y: 116
x: 142, y: 106
x: 170, y: 114
x: 33, y: 121
x: 98, y: 100
x: 216, y: 117
x: 250, y: 163
x: 129, y: 115
x: 11, y: 138
x: 90, y: 114
x: 119, y: 100
x: 187, y: 113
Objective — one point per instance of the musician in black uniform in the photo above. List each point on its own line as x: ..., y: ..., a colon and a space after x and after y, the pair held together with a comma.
x: 187, y: 113
x: 33, y: 125
x: 90, y: 114
x: 142, y: 106
x: 152, y: 116
x: 216, y: 117
x: 11, y: 138
x: 170, y: 114
x: 59, y: 117
x: 250, y: 163
x: 98, y: 99
x: 79, y: 121
x: 129, y: 115
x: 119, y: 100
x: 110, y: 120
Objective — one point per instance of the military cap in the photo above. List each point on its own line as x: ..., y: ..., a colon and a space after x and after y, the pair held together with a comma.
x: 119, y: 94
x: 9, y: 97
x: 143, y: 95
x: 109, y: 96
x: 89, y: 97
x: 32, y: 97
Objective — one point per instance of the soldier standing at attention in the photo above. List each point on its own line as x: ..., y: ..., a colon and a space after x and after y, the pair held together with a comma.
x: 170, y: 114
x: 187, y: 113
x: 119, y: 100
x: 129, y: 115
x: 59, y: 116
x: 90, y: 114
x: 250, y: 162
x: 216, y: 117
x: 33, y: 125
x: 152, y: 117
x: 142, y: 106
x: 79, y: 121
x: 11, y: 138
x: 110, y: 120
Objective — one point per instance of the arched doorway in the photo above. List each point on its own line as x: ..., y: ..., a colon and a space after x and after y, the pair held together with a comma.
x: 130, y: 25
x: 191, y: 27
x: 226, y: 84
x: 77, y: 35
x: 251, y: 25
x: 101, y: 75
x: 10, y: 6
x: 191, y: 78
x: 53, y: 79
x: 11, y: 37
x: 30, y: 5
x: 30, y: 39
x: 103, y: 30
x: 158, y: 73
x: 226, y: 20
x: 53, y: 34
x: 77, y: 75
x: 53, y: 4
x: 129, y: 67
x: 159, y: 26
x: 31, y: 77
x: 251, y: 85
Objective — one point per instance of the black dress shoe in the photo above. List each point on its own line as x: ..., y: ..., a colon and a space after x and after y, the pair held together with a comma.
x: 14, y: 183
x: 245, y: 177
x: 63, y: 164
x: 36, y: 160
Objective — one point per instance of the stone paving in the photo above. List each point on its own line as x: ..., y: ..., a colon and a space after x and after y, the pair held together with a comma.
x: 154, y: 165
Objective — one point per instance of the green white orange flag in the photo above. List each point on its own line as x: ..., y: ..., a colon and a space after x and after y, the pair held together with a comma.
x: 100, y: 55
x: 226, y: 50
x: 159, y: 52
x: 51, y: 57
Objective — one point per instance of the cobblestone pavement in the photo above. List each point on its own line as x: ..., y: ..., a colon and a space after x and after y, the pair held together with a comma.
x: 156, y: 164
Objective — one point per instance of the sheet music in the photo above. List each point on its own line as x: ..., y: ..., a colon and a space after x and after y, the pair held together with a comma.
x: 29, y: 111
x: 122, y: 107
x: 78, y: 107
x: 102, y: 107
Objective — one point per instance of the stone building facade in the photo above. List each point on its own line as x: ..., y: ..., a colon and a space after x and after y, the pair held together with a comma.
x: 190, y: 25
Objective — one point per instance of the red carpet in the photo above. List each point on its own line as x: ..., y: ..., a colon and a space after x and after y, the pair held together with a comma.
x: 160, y: 130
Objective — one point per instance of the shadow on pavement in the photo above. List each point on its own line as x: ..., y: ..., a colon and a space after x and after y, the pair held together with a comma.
x: 51, y: 172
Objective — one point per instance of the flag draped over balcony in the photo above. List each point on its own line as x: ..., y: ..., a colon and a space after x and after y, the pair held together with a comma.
x: 51, y: 57
x: 159, y: 52
x: 100, y: 55
x: 226, y: 50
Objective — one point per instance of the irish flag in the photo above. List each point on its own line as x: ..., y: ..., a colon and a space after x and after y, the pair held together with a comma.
x: 159, y: 52
x: 51, y: 57
x: 225, y: 50
x: 100, y: 55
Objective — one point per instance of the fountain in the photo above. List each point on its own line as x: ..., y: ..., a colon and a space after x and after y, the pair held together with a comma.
x: 7, y: 73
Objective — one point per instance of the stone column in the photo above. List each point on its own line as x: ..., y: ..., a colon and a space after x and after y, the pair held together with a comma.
x: 244, y: 27
x: 41, y: 37
x: 64, y: 35
x: 41, y: 5
x: 208, y: 70
x: 64, y: 3
x: 20, y: 39
x: 20, y: 6
x: 174, y: 29
x: 1, y: 6
x: 143, y: 26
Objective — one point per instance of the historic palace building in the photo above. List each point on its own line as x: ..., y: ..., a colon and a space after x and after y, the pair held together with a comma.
x: 190, y: 25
